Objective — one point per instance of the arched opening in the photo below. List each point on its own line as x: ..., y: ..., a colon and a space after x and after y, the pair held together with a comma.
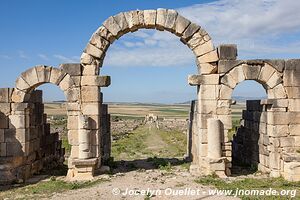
x: 247, y: 126
x: 149, y: 100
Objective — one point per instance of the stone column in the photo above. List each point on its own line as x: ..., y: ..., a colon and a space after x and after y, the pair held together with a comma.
x: 214, y: 149
x: 83, y: 137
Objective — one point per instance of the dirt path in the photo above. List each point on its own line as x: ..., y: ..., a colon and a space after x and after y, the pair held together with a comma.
x: 154, y: 142
x: 155, y: 181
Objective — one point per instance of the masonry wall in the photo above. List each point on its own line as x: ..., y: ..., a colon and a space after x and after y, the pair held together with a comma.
x: 27, y: 146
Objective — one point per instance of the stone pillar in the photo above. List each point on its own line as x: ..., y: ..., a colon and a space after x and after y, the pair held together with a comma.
x: 83, y: 137
x: 214, y: 128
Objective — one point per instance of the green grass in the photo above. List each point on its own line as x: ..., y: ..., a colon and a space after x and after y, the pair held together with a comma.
x: 45, y: 189
x: 250, y: 184
x: 177, y: 142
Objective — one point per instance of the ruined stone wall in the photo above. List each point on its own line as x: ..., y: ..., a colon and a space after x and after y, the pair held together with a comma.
x: 27, y: 146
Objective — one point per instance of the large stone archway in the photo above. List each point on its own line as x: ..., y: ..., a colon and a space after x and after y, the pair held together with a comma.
x: 210, y: 118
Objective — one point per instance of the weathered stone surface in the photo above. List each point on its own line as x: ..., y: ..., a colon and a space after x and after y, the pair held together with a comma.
x: 56, y: 76
x: 90, y: 94
x: 90, y: 109
x: 225, y: 92
x: 66, y: 83
x: 251, y: 72
x: 170, y: 20
x: 229, y: 81
x: 277, y: 130
x: 150, y: 18
x: 43, y: 73
x: 180, y: 25
x: 5, y: 95
x: 227, y: 51
x: 291, y: 78
x: 161, y: 19
x: 90, y: 70
x: 73, y: 94
x: 132, y: 19
x: 112, y: 26
x: 207, y: 68
x: 21, y: 84
x: 104, y: 33
x: 278, y: 118
x: 292, y: 64
x: 293, y: 92
x: 189, y: 32
x: 203, y: 48
x: 86, y: 59
x: 209, y: 57
x: 277, y: 92
x: 238, y: 74
x: 208, y: 92
x: 207, y: 106
x: 294, y: 105
x: 214, y: 132
x: 212, y: 79
x: 93, y: 51
x: 266, y: 72
x: 30, y: 77
x: 225, y: 66
x: 122, y: 22
x: 72, y: 69
x: 102, y: 81
x: 196, y: 40
x: 274, y: 80
x: 99, y: 42
x: 294, y: 129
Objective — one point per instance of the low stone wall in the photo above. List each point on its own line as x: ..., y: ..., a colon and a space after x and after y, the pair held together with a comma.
x: 27, y: 146
x: 269, y: 139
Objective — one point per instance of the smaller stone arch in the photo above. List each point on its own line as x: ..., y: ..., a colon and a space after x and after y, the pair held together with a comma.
x: 263, y: 73
x: 38, y: 75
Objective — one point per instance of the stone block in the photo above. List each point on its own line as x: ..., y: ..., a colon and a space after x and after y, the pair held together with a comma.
x: 196, y: 40
x: 251, y: 72
x: 180, y: 25
x: 19, y: 96
x: 225, y: 66
x: 122, y: 22
x: 93, y: 51
x: 21, y: 84
x: 72, y: 123
x: 291, y: 78
x: 292, y: 171
x: 227, y: 51
x: 150, y: 18
x: 294, y: 129
x: 4, y: 122
x: 266, y: 72
x: 212, y: 79
x: 203, y: 48
x: 66, y: 83
x: 208, y: 92
x: 18, y: 122
x: 278, y: 118
x: 189, y: 32
x: 90, y: 70
x: 3, y: 150
x: 86, y: 59
x: 207, y: 68
x: 1, y: 135
x: 294, y: 105
x: 91, y: 109
x: 277, y: 130
x: 30, y: 77
x: 207, y: 106
x: 237, y: 74
x: 293, y: 92
x: 209, y: 57
x: 99, y: 42
x: 73, y: 94
x: 104, y: 33
x: 229, y: 81
x: 132, y: 19
x: 287, y: 142
x: 73, y: 69
x: 73, y: 137
x: 43, y: 73
x: 161, y: 19
x: 90, y: 94
x: 5, y: 108
x: 274, y: 80
x: 292, y: 64
x: 56, y: 76
x: 4, y: 95
x: 226, y: 121
x: 112, y: 26
x: 225, y: 92
x: 277, y: 92
x: 170, y: 20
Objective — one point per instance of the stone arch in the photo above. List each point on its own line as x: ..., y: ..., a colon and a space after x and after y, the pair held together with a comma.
x: 191, y: 34
x: 264, y: 73
x: 38, y: 75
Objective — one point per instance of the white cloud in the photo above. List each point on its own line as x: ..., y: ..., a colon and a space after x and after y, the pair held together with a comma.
x: 23, y: 55
x: 5, y: 57
x: 260, y: 28
x: 73, y: 59
x: 43, y: 56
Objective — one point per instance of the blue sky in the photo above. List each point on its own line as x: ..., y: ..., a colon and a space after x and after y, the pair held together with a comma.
x: 145, y: 66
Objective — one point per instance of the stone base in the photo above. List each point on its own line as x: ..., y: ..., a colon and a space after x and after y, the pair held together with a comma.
x: 83, y: 170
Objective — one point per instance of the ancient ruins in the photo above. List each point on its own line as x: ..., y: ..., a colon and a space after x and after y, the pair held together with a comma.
x: 269, y: 136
